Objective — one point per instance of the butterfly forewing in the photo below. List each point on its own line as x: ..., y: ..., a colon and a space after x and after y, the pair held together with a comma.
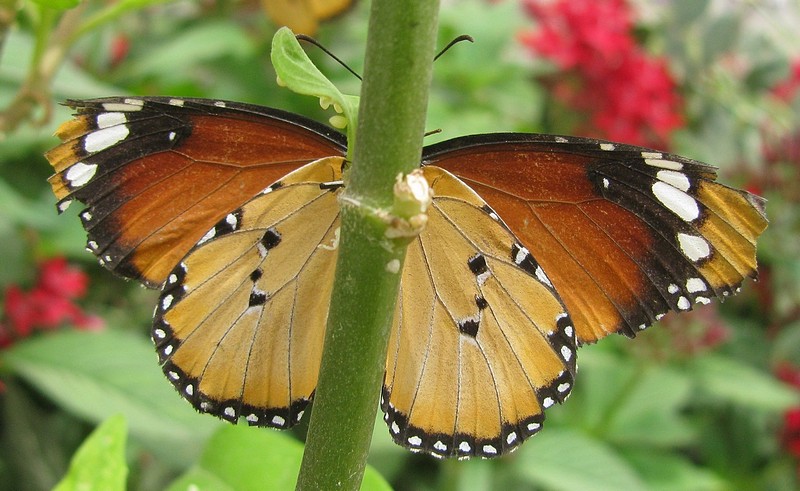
x: 624, y: 233
x: 481, y: 345
x: 240, y: 322
x: 157, y: 173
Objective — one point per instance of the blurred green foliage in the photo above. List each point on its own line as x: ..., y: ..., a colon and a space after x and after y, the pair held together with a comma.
x: 671, y: 410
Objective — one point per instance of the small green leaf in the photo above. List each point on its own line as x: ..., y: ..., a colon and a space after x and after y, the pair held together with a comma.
x: 244, y: 458
x: 297, y: 72
x: 99, y: 463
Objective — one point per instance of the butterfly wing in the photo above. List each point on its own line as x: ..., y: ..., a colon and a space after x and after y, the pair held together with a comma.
x: 624, y: 233
x: 241, y: 319
x: 157, y: 173
x: 481, y: 343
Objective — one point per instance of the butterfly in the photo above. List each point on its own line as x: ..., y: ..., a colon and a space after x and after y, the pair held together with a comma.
x: 535, y: 244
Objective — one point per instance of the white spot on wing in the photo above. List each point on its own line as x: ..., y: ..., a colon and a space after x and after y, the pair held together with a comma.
x: 607, y: 146
x: 566, y: 353
x: 80, y: 173
x: 694, y: 285
x: 676, y: 179
x: 62, y: 207
x: 683, y: 303
x: 522, y: 253
x: 220, y: 103
x: 130, y: 105
x: 694, y: 247
x: 464, y: 447
x: 278, y: 420
x: 106, y: 120
x: 661, y: 163
x: 104, y: 138
x: 176, y: 102
x: 208, y: 236
x: 676, y: 201
x: 415, y: 441
x: 543, y: 277
x: 511, y: 438
x: 166, y: 302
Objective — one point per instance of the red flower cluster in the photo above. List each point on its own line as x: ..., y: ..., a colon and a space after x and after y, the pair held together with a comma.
x: 629, y: 95
x: 49, y: 304
x: 787, y: 89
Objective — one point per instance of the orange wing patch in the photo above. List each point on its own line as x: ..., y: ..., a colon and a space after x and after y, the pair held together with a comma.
x: 481, y: 343
x: 157, y: 173
x: 625, y: 234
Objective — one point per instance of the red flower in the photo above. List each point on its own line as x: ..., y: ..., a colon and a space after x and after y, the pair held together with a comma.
x: 49, y: 304
x: 787, y: 89
x: 791, y: 431
x: 56, y: 277
x: 629, y: 95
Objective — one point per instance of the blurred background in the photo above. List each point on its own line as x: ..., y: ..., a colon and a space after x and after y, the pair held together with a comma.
x: 709, y: 400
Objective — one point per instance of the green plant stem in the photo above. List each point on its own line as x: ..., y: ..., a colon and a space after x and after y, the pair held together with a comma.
x: 397, y: 73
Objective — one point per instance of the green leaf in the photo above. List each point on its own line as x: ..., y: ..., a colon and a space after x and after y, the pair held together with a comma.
x: 741, y: 384
x: 243, y: 458
x: 566, y: 460
x: 57, y: 4
x: 650, y: 411
x: 95, y: 374
x: 665, y: 471
x: 99, y: 463
x: 201, y: 43
x: 299, y: 74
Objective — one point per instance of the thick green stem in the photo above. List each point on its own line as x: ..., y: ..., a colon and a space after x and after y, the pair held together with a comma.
x: 397, y: 73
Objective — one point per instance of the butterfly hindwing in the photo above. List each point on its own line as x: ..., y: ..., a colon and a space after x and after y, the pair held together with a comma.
x: 481, y: 343
x: 624, y: 233
x: 156, y: 173
x: 240, y: 322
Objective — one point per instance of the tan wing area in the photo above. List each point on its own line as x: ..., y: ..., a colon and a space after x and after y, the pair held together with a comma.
x: 240, y: 322
x: 481, y: 343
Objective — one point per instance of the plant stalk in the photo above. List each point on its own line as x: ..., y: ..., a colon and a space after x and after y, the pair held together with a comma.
x: 391, y: 125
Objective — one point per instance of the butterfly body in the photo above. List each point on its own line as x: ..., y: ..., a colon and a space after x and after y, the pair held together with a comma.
x: 534, y: 244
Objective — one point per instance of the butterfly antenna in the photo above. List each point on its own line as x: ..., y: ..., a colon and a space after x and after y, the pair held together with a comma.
x: 309, y: 39
x: 463, y: 37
